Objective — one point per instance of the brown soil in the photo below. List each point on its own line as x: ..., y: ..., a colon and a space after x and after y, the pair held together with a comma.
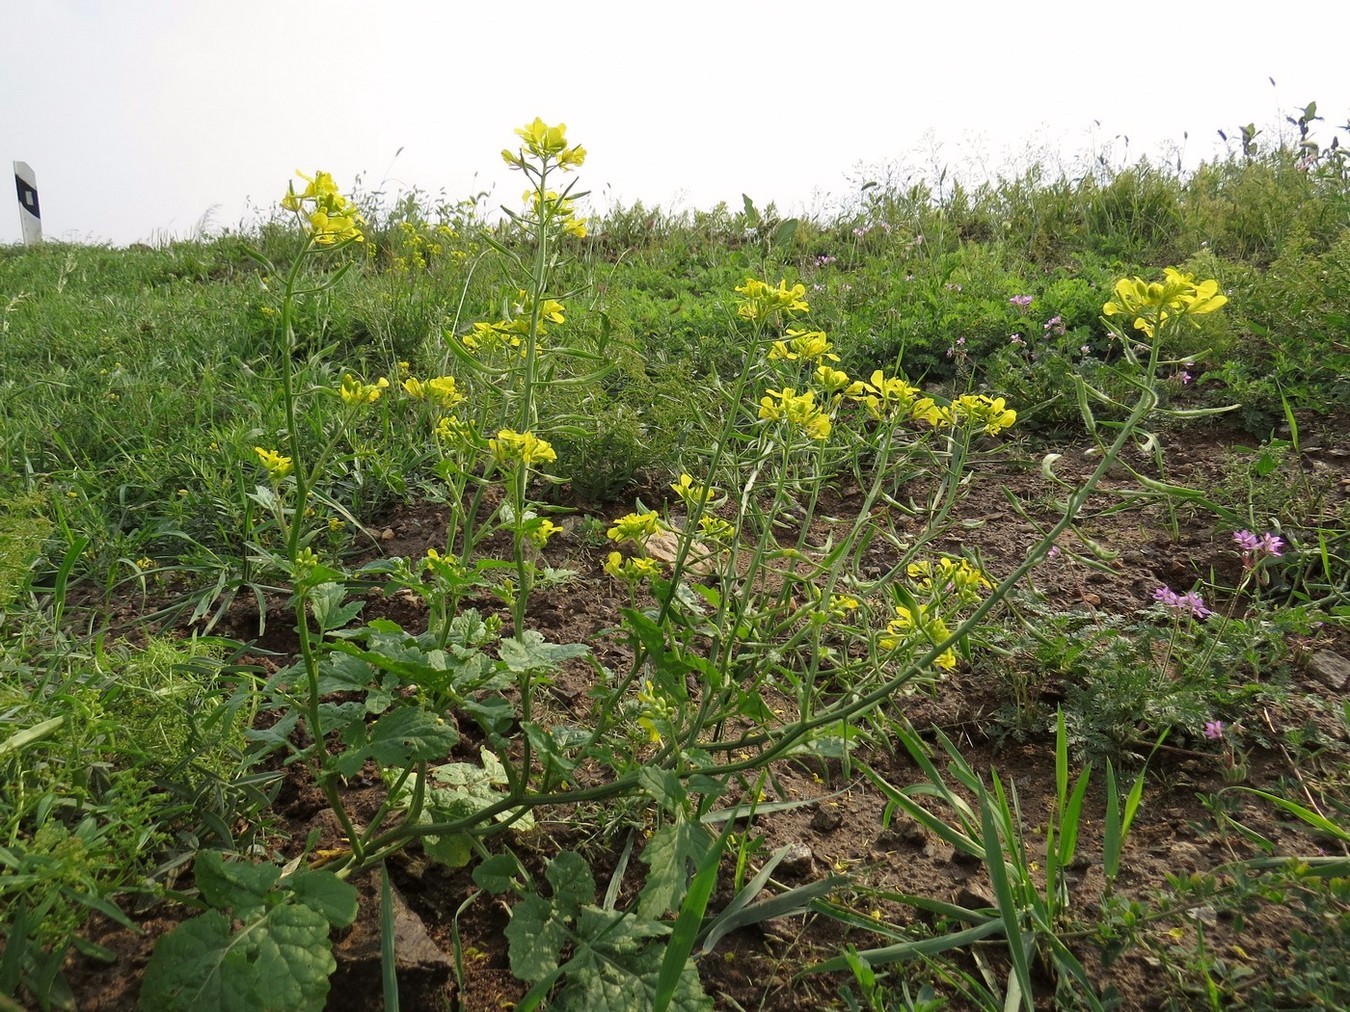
x: 845, y: 830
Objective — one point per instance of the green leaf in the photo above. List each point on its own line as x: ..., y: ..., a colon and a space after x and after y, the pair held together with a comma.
x: 341, y: 672
x: 454, y: 850
x: 239, y: 886
x: 325, y: 602
x: 408, y: 735
x: 673, y: 854
x: 20, y: 739
x: 572, y: 881
x: 663, y: 787
x: 532, y: 653
x: 616, y: 969
x: 325, y: 893
x: 500, y: 873
x: 535, y: 938
x: 280, y: 961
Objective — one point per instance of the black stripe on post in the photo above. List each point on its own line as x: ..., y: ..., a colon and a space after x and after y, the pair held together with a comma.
x: 28, y: 198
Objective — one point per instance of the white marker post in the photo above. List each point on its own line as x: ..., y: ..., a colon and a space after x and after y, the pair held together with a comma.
x: 30, y: 213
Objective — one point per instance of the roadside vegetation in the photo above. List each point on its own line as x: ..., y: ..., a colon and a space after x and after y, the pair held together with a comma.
x: 943, y: 605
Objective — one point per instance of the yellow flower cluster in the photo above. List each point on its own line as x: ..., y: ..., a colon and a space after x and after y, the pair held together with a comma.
x: 1151, y: 303
x: 276, y: 465
x: 991, y: 415
x: 762, y: 301
x: 654, y: 709
x: 956, y: 580
x: 332, y: 218
x: 441, y: 391
x: 454, y: 431
x: 810, y: 345
x: 908, y: 626
x: 551, y: 207
x: 357, y: 393
x: 546, y: 143
x: 502, y: 333
x: 693, y: 493
x: 632, y: 569
x: 550, y: 310
x: 716, y: 529
x: 833, y: 381
x: 889, y: 397
x: 526, y: 448
x: 540, y: 529
x: 635, y: 527
x: 799, y: 410
x: 420, y: 243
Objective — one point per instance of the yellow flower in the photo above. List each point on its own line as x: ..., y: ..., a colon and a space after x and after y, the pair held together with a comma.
x: 798, y: 410
x: 762, y: 301
x: 331, y: 217
x: 540, y: 531
x: 833, y: 380
x: 887, y: 397
x: 635, y: 527
x: 990, y: 414
x: 633, y: 570
x: 357, y: 393
x: 546, y: 142
x: 956, y: 578
x: 454, y: 431
x: 716, y: 528
x: 1152, y: 303
x: 843, y: 605
x: 276, y: 465
x: 692, y: 493
x: 442, y: 391
x: 906, y: 624
x: 811, y: 345
x: 521, y: 447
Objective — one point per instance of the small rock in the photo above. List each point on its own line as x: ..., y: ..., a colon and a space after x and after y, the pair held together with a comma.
x: 798, y: 861
x: 975, y: 898
x: 937, y: 851
x: 827, y: 819
x: 966, y: 860
x: 1205, y: 915
x: 912, y: 833
x: 785, y: 929
x: 387, y: 534
x: 1331, y: 668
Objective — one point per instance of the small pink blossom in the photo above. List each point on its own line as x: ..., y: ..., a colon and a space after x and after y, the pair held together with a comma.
x: 1255, y: 548
x: 1214, y: 729
x: 1190, y: 603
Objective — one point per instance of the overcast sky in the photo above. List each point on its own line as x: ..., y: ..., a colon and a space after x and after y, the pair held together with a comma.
x: 145, y: 119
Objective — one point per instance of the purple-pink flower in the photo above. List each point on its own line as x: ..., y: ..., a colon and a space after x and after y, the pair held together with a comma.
x: 1054, y: 325
x: 1254, y: 548
x: 1214, y: 729
x: 1021, y: 301
x: 1190, y: 603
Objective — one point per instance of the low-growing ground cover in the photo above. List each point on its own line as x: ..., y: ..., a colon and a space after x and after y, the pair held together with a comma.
x: 943, y: 607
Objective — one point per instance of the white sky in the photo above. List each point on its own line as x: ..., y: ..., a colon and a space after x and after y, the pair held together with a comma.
x: 142, y: 116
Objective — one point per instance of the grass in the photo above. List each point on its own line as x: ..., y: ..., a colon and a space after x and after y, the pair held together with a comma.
x: 807, y: 462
